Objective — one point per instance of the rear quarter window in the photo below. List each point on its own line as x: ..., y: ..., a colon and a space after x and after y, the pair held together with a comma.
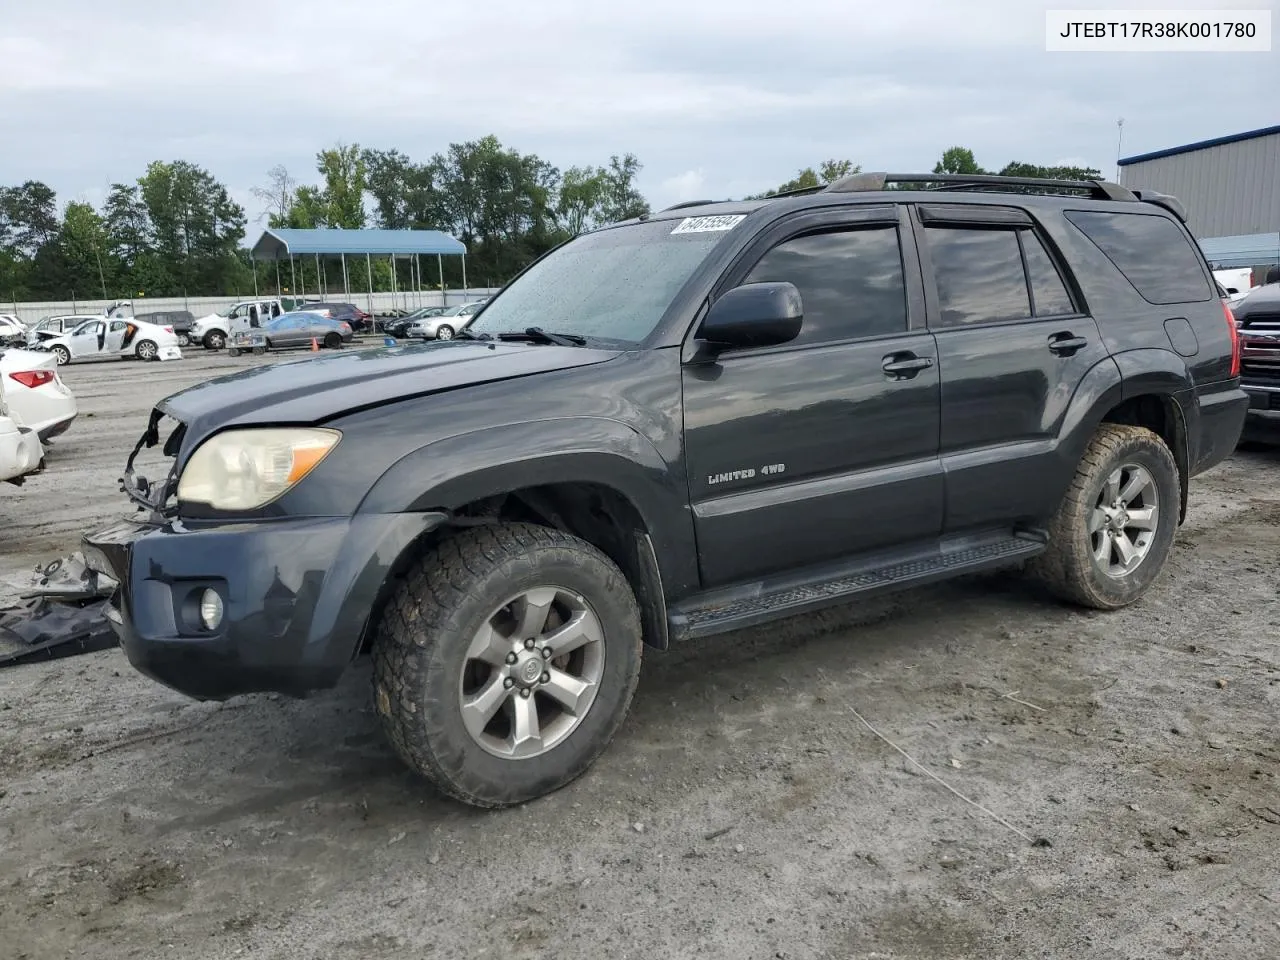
x: 1152, y: 252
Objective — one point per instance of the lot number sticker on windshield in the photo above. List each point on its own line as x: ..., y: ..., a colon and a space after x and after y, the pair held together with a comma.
x: 709, y: 224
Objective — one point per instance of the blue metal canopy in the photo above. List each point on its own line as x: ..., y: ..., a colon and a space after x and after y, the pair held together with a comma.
x: 280, y: 244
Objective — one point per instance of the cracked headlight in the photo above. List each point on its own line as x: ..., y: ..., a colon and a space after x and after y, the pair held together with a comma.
x: 246, y: 469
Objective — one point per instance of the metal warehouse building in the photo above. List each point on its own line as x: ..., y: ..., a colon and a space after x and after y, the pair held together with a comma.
x: 1231, y: 189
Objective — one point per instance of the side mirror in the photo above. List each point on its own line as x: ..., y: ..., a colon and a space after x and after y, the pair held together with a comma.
x: 754, y: 315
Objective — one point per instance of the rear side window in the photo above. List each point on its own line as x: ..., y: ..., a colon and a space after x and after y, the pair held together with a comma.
x: 1047, y: 289
x: 1151, y: 251
x: 850, y: 281
x: 979, y: 275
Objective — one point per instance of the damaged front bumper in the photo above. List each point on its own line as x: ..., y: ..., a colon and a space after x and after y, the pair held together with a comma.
x: 296, y: 592
x: 21, y: 451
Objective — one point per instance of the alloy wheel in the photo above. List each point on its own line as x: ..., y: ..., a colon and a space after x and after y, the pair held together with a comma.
x: 1123, y: 523
x: 531, y: 673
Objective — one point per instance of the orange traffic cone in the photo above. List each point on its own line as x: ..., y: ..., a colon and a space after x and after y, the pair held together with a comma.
x: 314, y: 346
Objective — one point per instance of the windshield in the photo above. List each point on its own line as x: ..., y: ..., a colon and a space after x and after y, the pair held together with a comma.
x: 614, y: 284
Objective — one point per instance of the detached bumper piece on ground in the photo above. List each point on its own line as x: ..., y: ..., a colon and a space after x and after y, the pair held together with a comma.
x: 63, y: 614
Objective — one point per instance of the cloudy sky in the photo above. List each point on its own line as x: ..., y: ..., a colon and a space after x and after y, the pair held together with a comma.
x: 716, y: 98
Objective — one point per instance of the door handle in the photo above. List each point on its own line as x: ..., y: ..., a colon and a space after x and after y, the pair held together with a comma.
x: 1066, y: 344
x: 904, y: 366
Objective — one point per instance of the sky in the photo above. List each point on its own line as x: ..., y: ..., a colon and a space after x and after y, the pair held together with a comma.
x: 717, y: 99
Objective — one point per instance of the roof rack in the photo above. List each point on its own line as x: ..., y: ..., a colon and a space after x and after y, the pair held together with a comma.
x: 687, y: 203
x: 866, y: 182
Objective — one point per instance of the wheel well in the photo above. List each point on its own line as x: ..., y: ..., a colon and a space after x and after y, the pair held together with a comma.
x: 593, y: 512
x: 1160, y: 414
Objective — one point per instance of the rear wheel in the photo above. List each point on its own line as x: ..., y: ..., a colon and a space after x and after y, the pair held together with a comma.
x: 233, y: 351
x: 63, y: 355
x: 332, y: 341
x: 146, y: 350
x: 1114, y: 529
x: 444, y: 332
x: 184, y: 340
x: 505, y: 662
x: 259, y: 351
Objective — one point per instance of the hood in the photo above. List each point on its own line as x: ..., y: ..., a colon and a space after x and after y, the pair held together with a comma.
x: 1260, y: 300
x: 316, y: 390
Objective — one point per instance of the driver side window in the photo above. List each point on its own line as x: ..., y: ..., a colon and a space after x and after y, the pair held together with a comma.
x: 851, y: 282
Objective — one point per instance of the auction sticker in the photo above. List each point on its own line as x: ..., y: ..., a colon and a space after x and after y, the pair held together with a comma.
x: 709, y: 224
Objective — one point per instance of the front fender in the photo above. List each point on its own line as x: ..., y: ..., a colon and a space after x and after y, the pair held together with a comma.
x: 454, y: 471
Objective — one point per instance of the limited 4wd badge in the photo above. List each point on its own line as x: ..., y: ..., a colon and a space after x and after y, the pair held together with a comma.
x: 709, y: 224
x: 749, y: 473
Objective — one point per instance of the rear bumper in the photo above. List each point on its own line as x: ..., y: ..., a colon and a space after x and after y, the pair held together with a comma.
x: 1222, y: 416
x: 297, y: 595
x: 20, y: 450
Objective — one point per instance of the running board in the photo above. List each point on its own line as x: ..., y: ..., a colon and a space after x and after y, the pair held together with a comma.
x: 762, y: 604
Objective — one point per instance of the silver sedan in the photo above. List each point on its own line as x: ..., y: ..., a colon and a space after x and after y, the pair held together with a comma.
x: 444, y: 325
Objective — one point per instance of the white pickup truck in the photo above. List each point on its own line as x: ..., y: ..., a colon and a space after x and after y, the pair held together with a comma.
x: 214, y: 330
x: 1237, y: 282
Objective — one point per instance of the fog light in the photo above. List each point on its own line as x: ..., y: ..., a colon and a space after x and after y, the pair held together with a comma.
x: 210, y: 609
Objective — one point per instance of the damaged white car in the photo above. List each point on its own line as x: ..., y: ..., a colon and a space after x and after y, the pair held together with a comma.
x: 102, y: 337
x: 21, y: 451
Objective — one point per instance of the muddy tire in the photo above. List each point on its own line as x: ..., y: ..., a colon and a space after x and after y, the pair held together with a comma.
x: 505, y: 662
x: 1113, y: 531
x: 259, y: 351
x: 233, y: 351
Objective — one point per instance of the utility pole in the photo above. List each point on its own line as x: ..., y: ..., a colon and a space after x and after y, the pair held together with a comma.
x: 1119, y: 143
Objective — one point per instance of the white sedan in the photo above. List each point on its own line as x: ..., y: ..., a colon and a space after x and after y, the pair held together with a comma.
x: 34, y: 392
x: 21, y: 451
x: 103, y: 337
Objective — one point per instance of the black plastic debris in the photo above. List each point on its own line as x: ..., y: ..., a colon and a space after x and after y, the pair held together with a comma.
x: 62, y: 614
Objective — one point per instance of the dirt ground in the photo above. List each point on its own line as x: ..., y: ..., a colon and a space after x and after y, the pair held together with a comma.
x: 745, y: 810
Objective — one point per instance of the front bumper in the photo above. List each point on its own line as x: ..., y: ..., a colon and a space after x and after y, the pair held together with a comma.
x: 1262, y: 421
x: 297, y: 596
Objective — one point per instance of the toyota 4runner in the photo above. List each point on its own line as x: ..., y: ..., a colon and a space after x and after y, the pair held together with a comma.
x: 707, y: 418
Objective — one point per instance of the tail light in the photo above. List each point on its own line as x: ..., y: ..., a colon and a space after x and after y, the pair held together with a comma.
x: 1235, y: 338
x: 168, y: 329
x: 346, y: 326
x: 33, y: 378
x: 1252, y: 281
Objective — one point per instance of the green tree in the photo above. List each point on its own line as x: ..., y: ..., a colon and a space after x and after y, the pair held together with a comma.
x: 622, y: 200
x: 195, y: 224
x: 345, y: 180
x: 28, y: 218
x: 958, y: 160
x: 580, y: 198
x: 128, y: 228
x: 85, y: 248
x: 1018, y: 169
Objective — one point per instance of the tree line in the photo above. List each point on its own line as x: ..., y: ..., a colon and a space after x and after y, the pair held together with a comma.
x: 177, y: 231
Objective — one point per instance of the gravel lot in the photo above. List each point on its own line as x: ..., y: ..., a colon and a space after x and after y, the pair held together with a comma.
x: 744, y: 811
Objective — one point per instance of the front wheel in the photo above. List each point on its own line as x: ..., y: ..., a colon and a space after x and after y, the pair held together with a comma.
x: 215, y: 340
x: 63, y: 355
x: 444, y: 332
x: 1114, y: 529
x: 505, y: 661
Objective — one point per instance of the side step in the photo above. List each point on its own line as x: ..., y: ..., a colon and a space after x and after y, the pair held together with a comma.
x: 759, y: 602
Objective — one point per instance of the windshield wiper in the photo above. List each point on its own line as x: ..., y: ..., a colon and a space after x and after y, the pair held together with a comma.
x: 538, y: 335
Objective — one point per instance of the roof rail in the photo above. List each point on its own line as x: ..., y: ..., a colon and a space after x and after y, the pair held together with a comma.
x: 797, y: 191
x: 862, y: 182
x: 1172, y: 204
x: 687, y: 203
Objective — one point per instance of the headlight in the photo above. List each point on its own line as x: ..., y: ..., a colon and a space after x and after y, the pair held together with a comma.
x: 245, y: 469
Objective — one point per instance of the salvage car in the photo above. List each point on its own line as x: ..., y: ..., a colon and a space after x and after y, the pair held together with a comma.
x: 50, y: 328
x: 12, y: 330
x: 35, y: 393
x: 100, y: 338
x: 703, y: 419
x: 21, y: 452
x: 212, y: 331
x: 399, y: 327
x: 1258, y: 316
